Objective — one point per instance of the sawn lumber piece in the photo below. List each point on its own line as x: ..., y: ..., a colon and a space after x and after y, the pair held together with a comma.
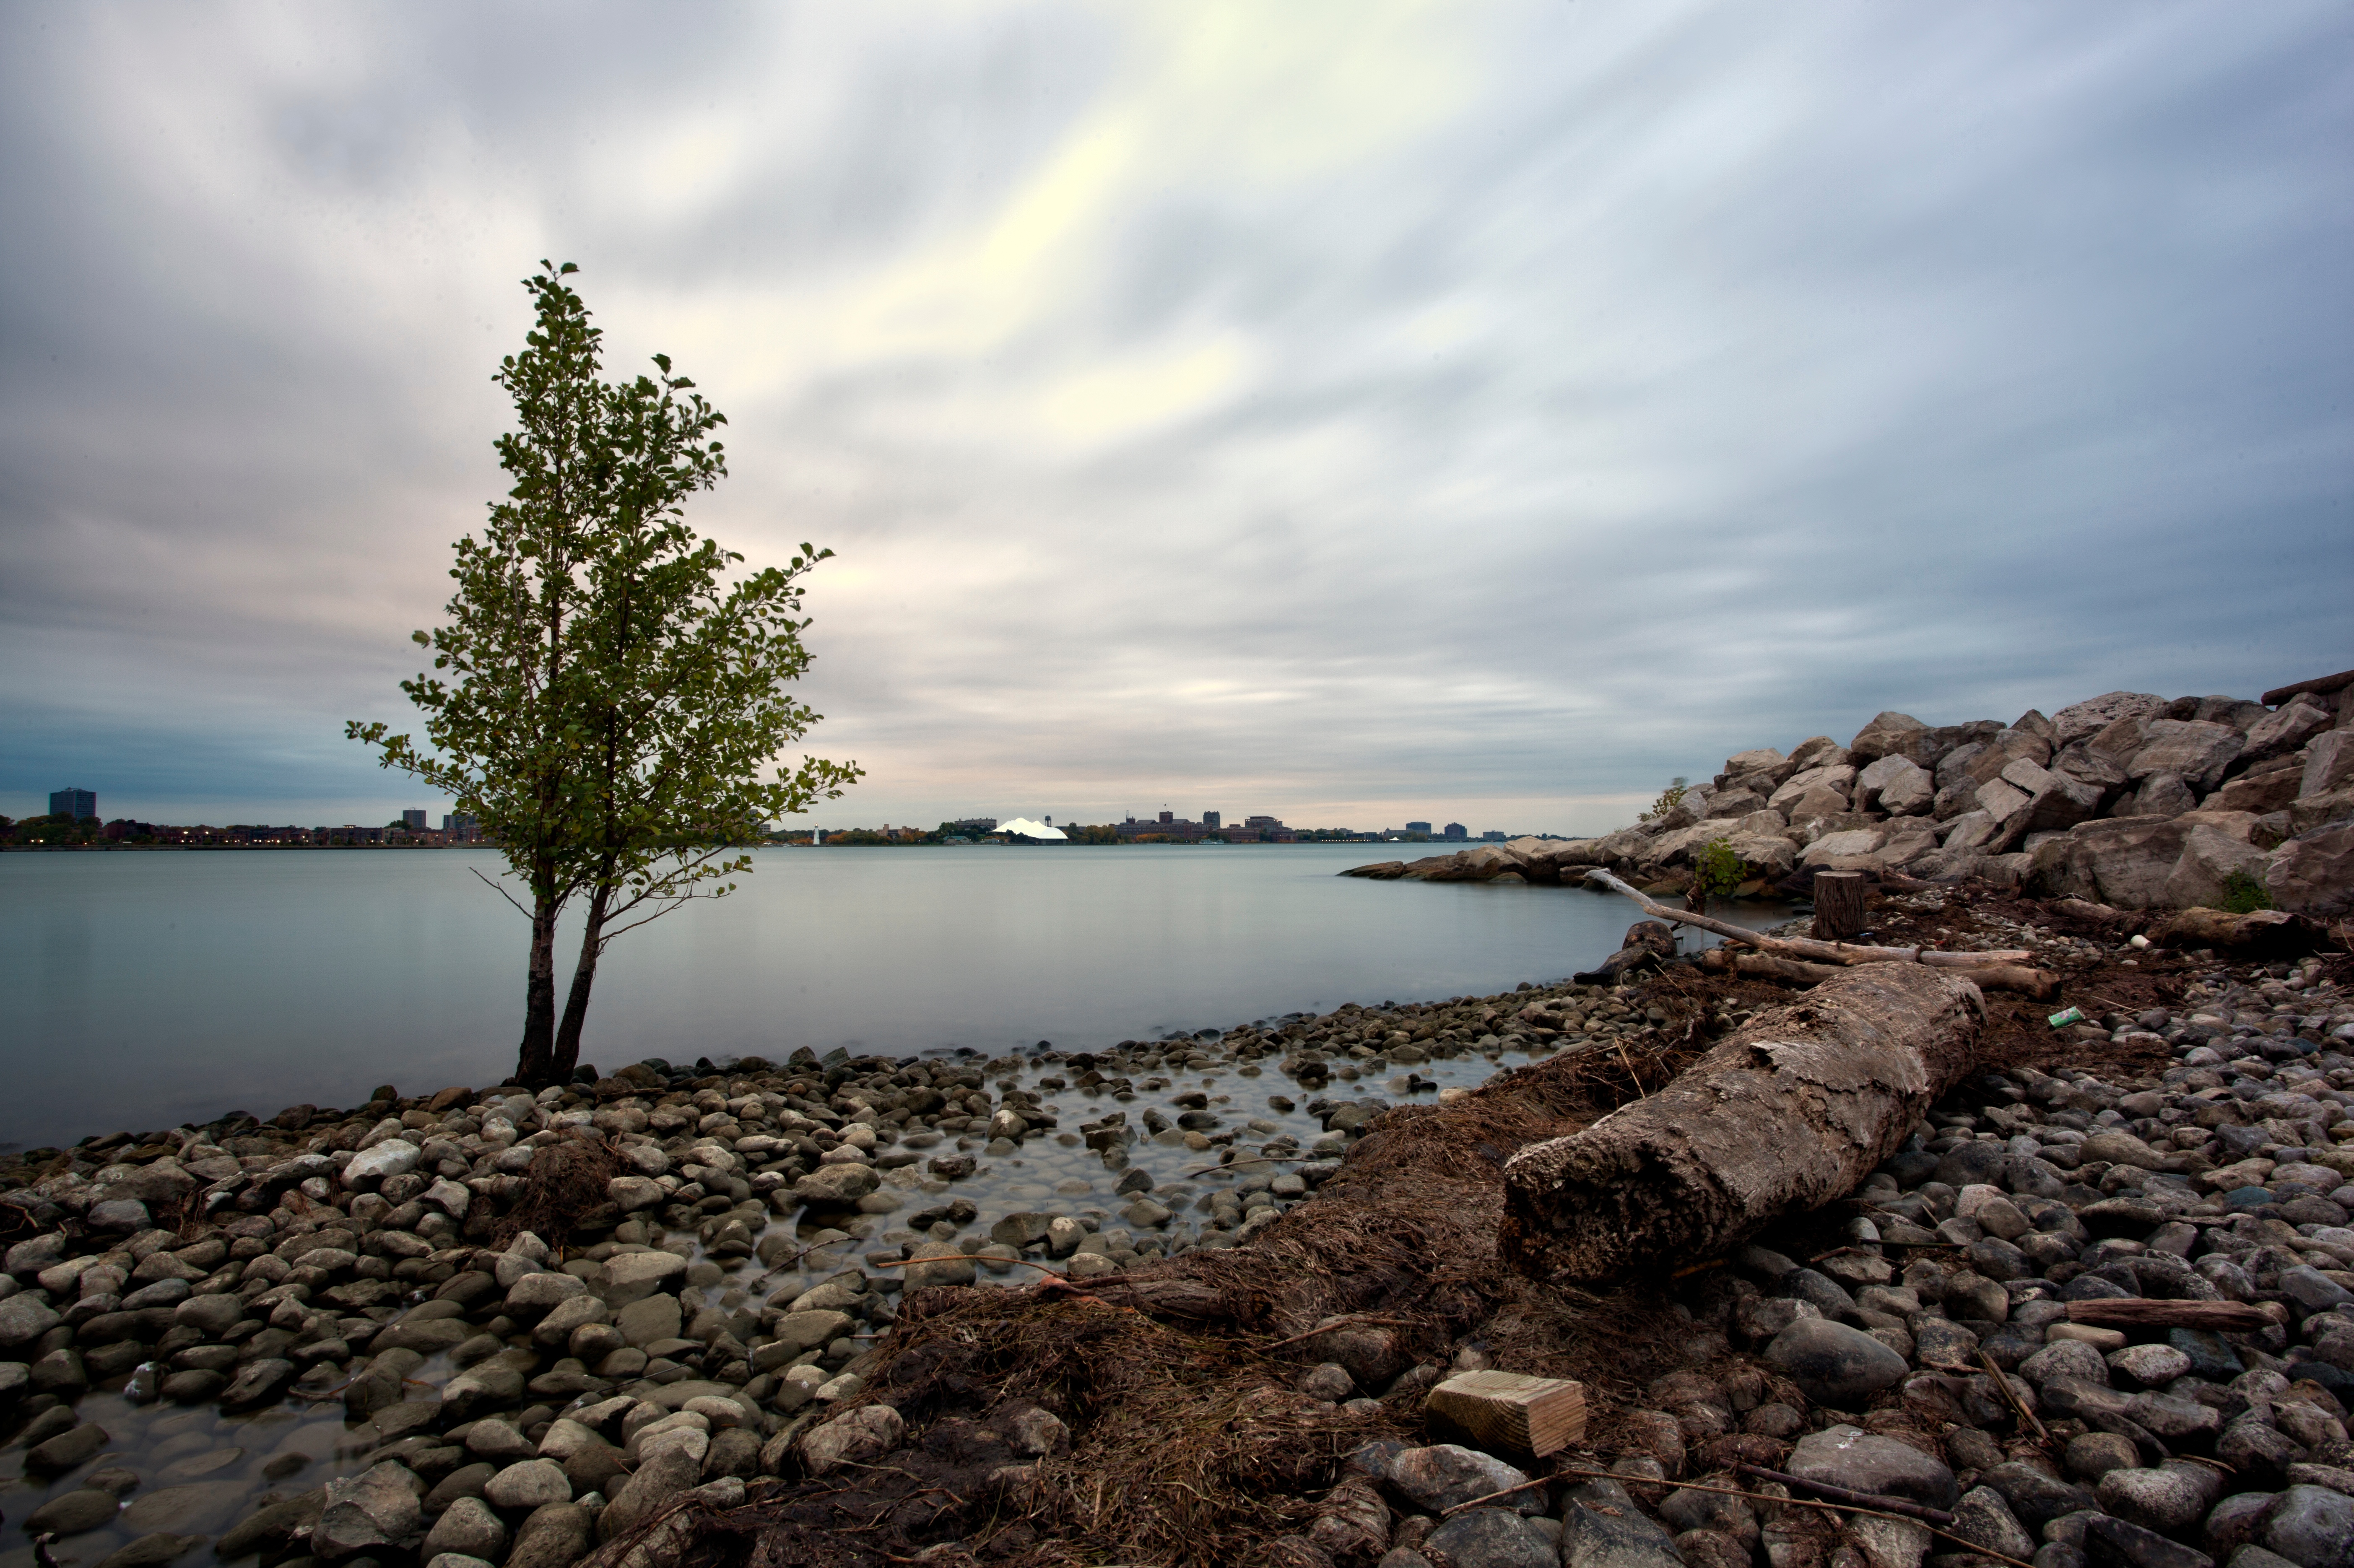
x: 1532, y: 1415
x: 1791, y: 1111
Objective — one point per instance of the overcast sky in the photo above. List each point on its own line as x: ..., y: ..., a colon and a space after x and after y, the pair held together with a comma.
x: 1348, y: 412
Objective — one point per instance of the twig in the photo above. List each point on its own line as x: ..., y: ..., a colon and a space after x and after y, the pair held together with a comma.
x: 968, y: 1258
x: 1844, y: 1494
x: 2011, y: 1397
x: 1331, y: 1323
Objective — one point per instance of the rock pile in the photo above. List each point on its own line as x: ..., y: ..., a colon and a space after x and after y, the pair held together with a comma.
x: 2126, y: 799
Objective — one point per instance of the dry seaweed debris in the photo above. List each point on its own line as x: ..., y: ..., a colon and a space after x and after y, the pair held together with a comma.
x: 563, y: 1188
x: 1187, y: 1439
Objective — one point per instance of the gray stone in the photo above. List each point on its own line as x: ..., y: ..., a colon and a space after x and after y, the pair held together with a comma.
x: 23, y: 1320
x: 117, y: 1215
x: 2169, y: 1500
x: 2312, y: 873
x: 198, y: 1508
x: 937, y: 1264
x: 152, y: 1550
x: 393, y: 1157
x: 647, y: 1319
x: 531, y: 1484
x: 2110, y: 1542
x: 1862, y: 1461
x: 554, y: 1537
x: 1441, y: 1475
x: 258, y: 1382
x: 1833, y: 1364
x: 808, y: 1330
x: 535, y: 1293
x: 2328, y: 763
x: 836, y: 1186
x: 2313, y: 1527
x: 860, y: 1435
x: 1602, y: 1528
x: 635, y: 1275
x: 2036, y: 1499
x: 211, y: 1316
x: 468, y: 1528
x: 1983, y: 1516
x: 378, y: 1507
x: 72, y: 1513
x: 666, y: 1473
x: 54, y: 1455
x: 1488, y: 1538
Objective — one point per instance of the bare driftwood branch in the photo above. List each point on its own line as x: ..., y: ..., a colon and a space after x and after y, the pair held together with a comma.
x: 1806, y: 946
x: 2223, y: 1317
x: 2041, y: 984
x: 1790, y: 1112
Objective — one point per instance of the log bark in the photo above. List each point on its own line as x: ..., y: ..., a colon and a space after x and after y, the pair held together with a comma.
x: 2041, y: 984
x: 1789, y: 1113
x: 2223, y: 1317
x: 1839, y: 905
x: 1805, y: 948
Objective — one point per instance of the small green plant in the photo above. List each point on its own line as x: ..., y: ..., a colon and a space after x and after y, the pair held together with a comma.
x: 1670, y: 798
x: 2244, y: 895
x: 1717, y: 871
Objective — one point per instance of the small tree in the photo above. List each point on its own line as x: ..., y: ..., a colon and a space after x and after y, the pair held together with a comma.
x: 614, y: 703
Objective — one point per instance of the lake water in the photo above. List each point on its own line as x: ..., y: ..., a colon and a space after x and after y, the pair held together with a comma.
x: 144, y: 990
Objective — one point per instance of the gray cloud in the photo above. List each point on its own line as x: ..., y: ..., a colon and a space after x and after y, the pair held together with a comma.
x: 1353, y: 415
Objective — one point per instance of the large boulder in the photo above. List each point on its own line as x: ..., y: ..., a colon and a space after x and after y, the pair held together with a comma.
x: 2312, y: 873
x: 2193, y: 752
x: 2277, y: 734
x: 2212, y: 857
x: 2082, y: 721
x: 2328, y: 763
x: 1889, y: 734
x: 2122, y: 862
x: 1896, y: 785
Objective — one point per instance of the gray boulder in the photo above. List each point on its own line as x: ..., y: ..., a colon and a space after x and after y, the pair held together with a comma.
x: 2312, y: 873
x: 380, y: 1507
x: 1863, y: 1461
x: 1833, y: 1364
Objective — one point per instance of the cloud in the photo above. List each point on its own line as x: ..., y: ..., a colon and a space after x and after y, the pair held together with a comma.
x: 1353, y: 412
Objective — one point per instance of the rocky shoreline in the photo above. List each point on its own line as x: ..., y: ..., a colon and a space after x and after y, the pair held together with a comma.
x: 2128, y: 799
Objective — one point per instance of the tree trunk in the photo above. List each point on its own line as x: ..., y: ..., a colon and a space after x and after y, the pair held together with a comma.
x: 584, y: 975
x: 1839, y: 905
x: 1790, y: 1112
x: 535, y: 1057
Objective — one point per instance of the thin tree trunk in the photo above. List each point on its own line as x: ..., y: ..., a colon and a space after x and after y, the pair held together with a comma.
x: 584, y: 975
x: 535, y: 1058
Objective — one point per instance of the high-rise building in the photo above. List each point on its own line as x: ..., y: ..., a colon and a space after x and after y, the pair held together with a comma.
x: 1458, y: 831
x: 413, y: 821
x: 1210, y: 819
x: 1417, y: 827
x: 81, y: 805
x: 460, y: 825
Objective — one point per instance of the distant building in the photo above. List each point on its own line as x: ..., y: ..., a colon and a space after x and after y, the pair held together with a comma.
x: 461, y: 827
x: 1417, y: 827
x: 79, y: 804
x: 1458, y: 831
x: 413, y: 821
x: 1492, y: 836
x: 1210, y: 819
x: 978, y: 824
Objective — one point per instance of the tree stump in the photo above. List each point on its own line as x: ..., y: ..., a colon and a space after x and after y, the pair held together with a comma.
x: 1839, y: 905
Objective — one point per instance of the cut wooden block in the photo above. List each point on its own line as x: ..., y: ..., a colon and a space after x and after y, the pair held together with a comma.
x: 1532, y: 1415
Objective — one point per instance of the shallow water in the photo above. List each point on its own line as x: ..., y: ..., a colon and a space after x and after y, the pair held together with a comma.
x: 151, y: 989
x: 297, y: 1445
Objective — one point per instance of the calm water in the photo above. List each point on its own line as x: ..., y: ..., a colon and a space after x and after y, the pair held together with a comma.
x: 144, y: 990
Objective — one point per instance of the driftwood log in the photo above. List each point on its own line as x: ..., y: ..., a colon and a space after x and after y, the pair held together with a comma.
x: 1791, y: 1111
x: 2041, y: 984
x: 1998, y: 968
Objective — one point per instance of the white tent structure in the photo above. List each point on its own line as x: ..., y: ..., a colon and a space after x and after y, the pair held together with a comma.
x: 1023, y: 828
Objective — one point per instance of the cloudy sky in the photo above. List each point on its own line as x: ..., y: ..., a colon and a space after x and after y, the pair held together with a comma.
x: 1352, y: 412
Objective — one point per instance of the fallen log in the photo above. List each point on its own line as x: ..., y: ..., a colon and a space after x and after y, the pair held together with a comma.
x: 2041, y: 984
x: 2265, y: 933
x: 1789, y: 1113
x: 1806, y: 946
